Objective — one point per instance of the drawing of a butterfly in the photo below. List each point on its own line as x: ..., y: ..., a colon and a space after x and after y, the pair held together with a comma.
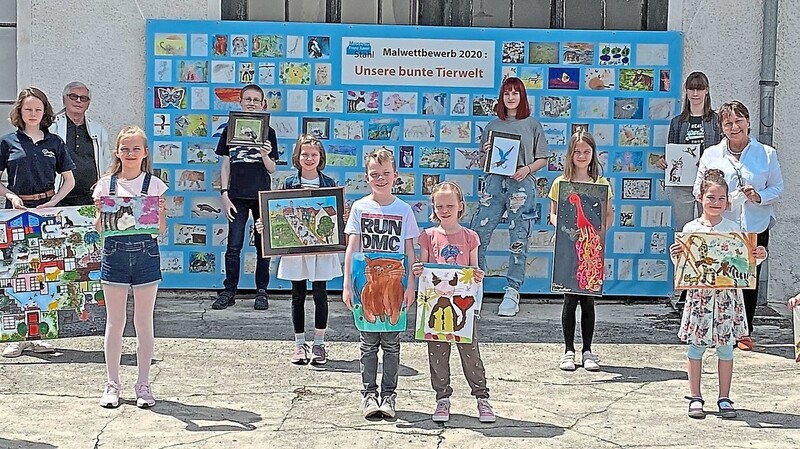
x: 171, y: 96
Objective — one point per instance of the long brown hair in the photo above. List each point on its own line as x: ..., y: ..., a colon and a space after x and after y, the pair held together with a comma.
x: 15, y: 116
x: 594, y: 168
x: 130, y: 131
x: 696, y: 81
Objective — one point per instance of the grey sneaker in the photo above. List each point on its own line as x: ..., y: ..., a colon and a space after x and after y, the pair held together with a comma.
x: 388, y: 405
x: 319, y: 355
x: 510, y: 304
x: 567, y: 361
x: 262, y: 303
x: 590, y: 361
x: 224, y: 300
x: 370, y: 407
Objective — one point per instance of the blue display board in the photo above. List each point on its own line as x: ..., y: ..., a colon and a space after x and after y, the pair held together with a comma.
x: 426, y: 93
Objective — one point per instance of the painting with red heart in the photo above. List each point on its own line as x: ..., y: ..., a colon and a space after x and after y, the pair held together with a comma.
x: 448, y: 298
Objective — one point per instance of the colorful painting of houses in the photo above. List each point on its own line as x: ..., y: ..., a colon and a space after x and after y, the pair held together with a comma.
x: 50, y: 274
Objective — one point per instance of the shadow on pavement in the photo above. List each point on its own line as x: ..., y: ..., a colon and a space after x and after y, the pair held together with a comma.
x: 22, y: 444
x: 627, y: 374
x: 196, y: 417
x: 767, y: 420
x: 72, y: 356
x: 353, y: 366
x: 504, y: 427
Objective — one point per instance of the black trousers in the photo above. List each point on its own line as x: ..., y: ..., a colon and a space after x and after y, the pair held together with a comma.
x: 319, y: 291
x: 751, y: 296
x: 568, y: 320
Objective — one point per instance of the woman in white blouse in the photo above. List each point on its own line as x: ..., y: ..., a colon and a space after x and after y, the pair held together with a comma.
x: 754, y: 180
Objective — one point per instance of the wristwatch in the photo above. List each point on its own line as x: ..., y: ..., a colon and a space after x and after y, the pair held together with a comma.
x: 221, y: 191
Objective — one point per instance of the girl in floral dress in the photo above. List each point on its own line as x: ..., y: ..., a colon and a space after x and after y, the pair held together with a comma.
x: 712, y: 318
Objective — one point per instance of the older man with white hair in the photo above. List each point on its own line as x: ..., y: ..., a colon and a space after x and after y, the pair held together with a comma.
x: 87, y: 143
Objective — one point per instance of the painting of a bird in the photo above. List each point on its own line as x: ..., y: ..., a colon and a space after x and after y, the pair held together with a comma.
x: 588, y: 249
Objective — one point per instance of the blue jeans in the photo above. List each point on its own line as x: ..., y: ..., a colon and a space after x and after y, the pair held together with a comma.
x: 130, y: 260
x: 518, y: 198
x: 236, y: 234
x: 390, y: 343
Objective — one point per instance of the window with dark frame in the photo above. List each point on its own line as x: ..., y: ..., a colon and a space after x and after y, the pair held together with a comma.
x: 557, y: 14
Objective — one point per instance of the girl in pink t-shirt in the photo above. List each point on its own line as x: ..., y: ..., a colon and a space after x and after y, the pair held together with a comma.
x: 451, y: 243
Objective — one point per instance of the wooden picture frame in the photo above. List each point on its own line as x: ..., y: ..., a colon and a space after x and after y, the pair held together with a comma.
x: 580, y: 238
x: 302, y: 221
x: 317, y: 127
x: 715, y: 260
x: 247, y: 128
x: 682, y: 160
x: 501, y: 159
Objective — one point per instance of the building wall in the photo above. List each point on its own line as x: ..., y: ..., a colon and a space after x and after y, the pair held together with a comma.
x: 100, y: 43
x: 723, y: 39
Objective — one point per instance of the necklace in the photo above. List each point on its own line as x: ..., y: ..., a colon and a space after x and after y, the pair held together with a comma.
x: 735, y: 153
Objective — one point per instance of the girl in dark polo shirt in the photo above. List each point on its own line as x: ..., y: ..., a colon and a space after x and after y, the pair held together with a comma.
x: 33, y: 156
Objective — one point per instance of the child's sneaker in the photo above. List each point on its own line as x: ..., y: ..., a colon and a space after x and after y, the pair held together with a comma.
x: 442, y: 412
x: 300, y: 355
x: 110, y: 397
x: 144, y: 396
x: 726, y: 409
x: 319, y: 355
x: 388, y: 405
x: 261, y: 303
x: 510, y: 304
x: 485, y: 412
x: 15, y: 348
x: 224, y: 300
x: 589, y: 361
x: 370, y: 407
x: 567, y: 361
x: 696, y: 407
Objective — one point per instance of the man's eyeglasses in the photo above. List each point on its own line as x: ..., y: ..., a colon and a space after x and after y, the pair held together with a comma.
x: 76, y: 97
x: 252, y: 100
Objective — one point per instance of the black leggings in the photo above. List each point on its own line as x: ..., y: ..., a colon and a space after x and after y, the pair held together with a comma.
x: 319, y: 291
x: 587, y: 320
x: 751, y: 296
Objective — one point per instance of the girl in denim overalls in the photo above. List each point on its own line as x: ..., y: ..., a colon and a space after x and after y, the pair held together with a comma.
x: 130, y: 261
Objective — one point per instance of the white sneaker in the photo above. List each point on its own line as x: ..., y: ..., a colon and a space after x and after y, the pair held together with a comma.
x: 110, y: 397
x: 370, y: 407
x: 510, y: 304
x: 42, y: 347
x: 567, y: 361
x: 590, y: 362
x: 15, y: 348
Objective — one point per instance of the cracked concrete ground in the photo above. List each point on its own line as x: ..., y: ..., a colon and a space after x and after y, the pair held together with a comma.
x: 222, y: 380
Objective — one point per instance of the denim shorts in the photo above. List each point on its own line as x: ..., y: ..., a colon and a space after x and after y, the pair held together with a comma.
x: 130, y: 260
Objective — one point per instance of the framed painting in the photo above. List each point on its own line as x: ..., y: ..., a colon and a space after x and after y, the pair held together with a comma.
x: 580, y: 238
x: 128, y: 215
x: 448, y: 298
x: 247, y: 128
x: 302, y: 221
x: 501, y: 159
x: 319, y: 128
x: 715, y: 260
x: 636, y: 188
x: 50, y: 263
x: 682, y: 160
x: 379, y: 281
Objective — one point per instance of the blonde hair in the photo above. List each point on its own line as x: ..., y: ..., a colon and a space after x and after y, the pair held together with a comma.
x: 447, y: 187
x: 594, y: 168
x: 306, y: 139
x: 379, y: 156
x: 126, y: 132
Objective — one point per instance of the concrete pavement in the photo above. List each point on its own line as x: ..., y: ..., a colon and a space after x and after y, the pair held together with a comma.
x: 222, y: 380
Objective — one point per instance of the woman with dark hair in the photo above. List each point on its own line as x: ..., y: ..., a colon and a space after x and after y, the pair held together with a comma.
x: 754, y: 181
x: 696, y: 124
x: 514, y: 195
x: 33, y: 156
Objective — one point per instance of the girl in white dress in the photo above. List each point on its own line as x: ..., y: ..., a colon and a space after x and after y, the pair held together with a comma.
x: 308, y: 158
x: 712, y: 318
